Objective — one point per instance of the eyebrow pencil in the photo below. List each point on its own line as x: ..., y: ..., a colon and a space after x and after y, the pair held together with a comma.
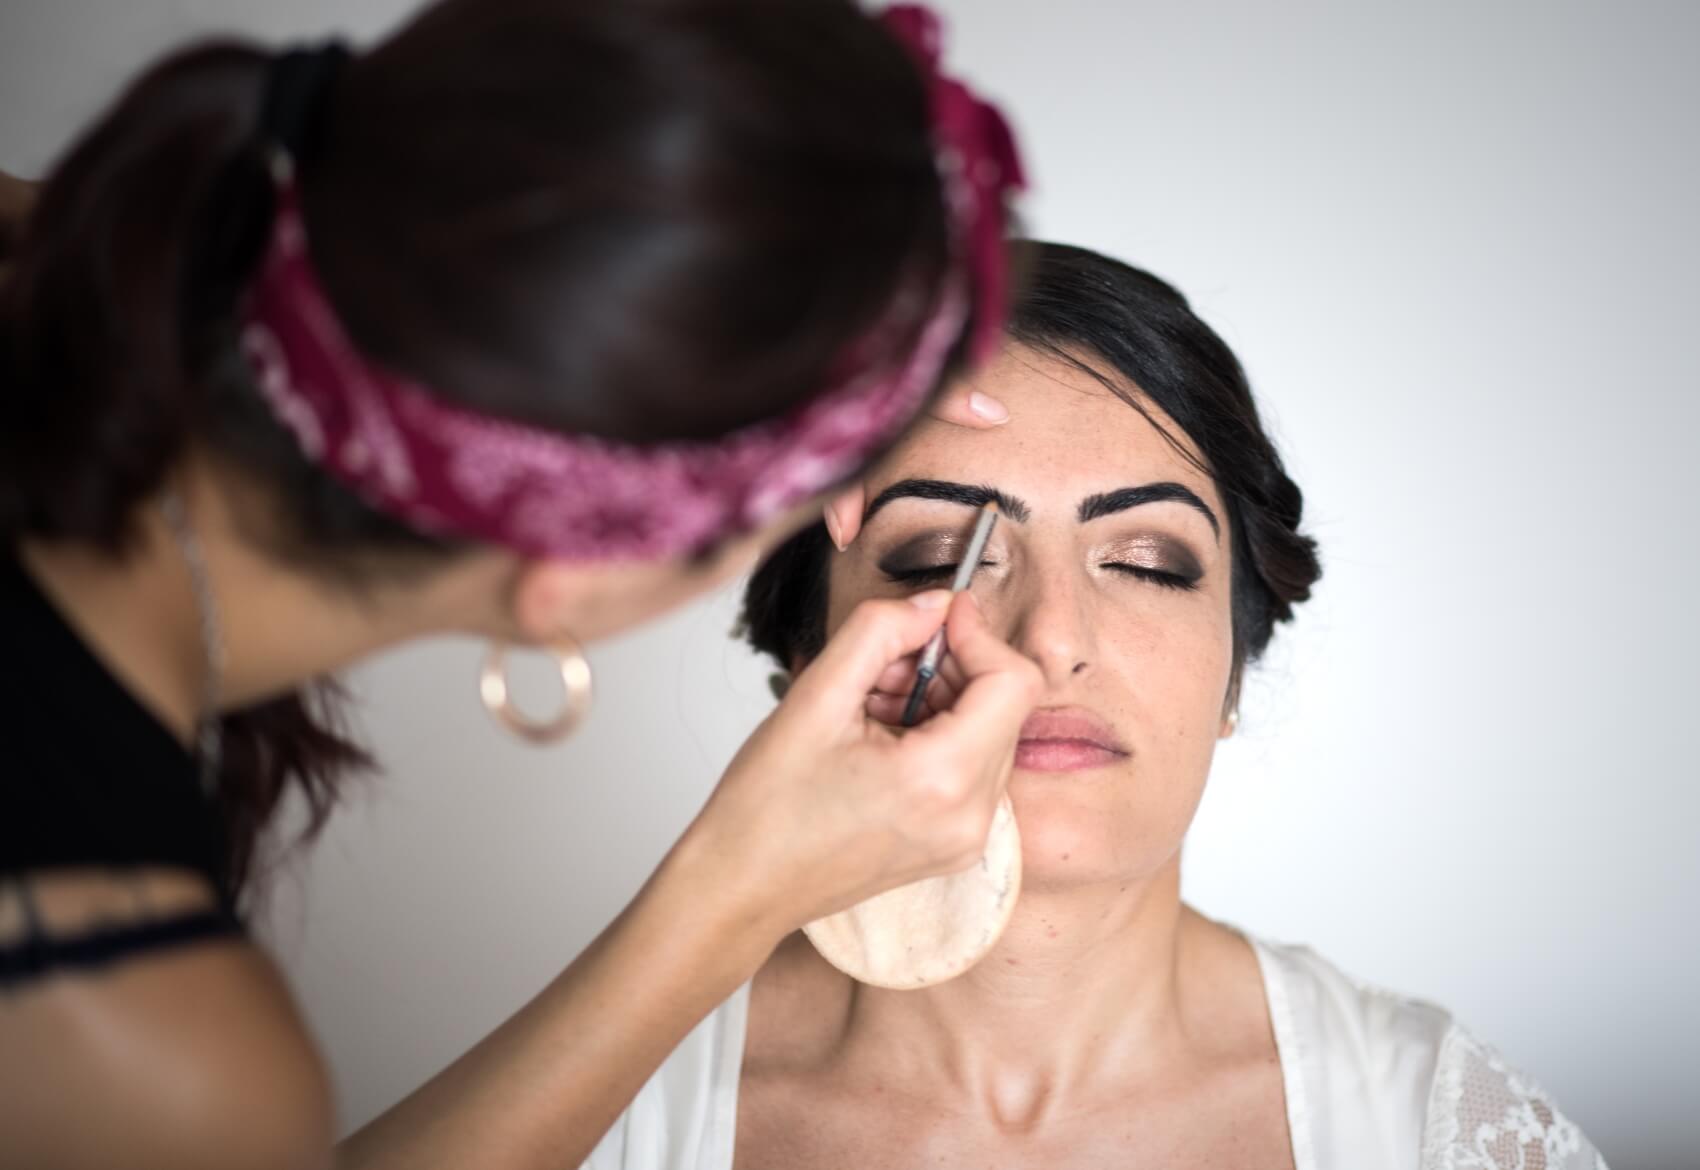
x: 934, y: 649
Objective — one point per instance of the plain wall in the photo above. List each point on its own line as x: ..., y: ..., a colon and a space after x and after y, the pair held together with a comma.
x: 1455, y: 246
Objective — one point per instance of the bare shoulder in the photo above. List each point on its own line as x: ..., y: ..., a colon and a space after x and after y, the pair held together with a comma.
x: 183, y: 1057
x: 799, y: 1004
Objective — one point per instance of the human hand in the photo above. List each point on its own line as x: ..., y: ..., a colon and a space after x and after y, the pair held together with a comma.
x: 825, y: 805
x: 962, y: 405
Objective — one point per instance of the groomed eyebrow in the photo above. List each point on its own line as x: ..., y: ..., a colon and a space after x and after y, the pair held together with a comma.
x: 968, y: 495
x: 1120, y: 500
x: 1091, y: 508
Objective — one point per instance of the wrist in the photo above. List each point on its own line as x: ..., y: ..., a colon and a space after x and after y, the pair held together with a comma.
x: 736, y: 918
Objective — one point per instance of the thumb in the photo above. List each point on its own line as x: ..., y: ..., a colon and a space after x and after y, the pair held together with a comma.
x: 1000, y: 684
x: 876, y: 634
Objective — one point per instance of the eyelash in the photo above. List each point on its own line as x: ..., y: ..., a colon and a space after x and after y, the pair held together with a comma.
x: 928, y: 574
x: 943, y: 573
x: 1155, y: 576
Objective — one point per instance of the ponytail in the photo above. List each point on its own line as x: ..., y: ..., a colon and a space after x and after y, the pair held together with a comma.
x: 98, y: 326
x: 115, y: 322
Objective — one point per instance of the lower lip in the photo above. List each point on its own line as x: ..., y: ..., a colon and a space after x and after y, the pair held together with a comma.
x: 1063, y: 755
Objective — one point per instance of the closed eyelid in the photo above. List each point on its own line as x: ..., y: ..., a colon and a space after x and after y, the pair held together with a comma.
x: 1153, y: 550
x: 925, y: 546
x: 929, y: 549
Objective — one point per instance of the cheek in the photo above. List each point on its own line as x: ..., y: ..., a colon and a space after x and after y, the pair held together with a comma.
x: 1171, y: 658
x: 1162, y: 676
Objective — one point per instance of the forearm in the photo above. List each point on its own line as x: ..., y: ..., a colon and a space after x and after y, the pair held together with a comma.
x: 541, y: 1090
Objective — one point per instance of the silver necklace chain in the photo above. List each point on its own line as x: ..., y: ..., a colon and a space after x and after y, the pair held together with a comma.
x: 209, y: 730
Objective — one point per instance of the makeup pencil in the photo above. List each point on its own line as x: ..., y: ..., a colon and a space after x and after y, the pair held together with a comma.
x: 934, y: 649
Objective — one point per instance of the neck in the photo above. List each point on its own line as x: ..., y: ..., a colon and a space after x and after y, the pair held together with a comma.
x: 280, y: 627
x: 1081, y: 986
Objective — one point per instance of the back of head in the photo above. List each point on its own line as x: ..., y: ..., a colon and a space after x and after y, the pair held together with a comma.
x: 604, y: 217
x: 643, y: 220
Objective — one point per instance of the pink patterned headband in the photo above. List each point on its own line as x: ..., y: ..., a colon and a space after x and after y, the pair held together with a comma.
x: 443, y: 468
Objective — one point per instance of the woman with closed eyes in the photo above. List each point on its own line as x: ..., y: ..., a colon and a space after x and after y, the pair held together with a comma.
x: 1150, y: 542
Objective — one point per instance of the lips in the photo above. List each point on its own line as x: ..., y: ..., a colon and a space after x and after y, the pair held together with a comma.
x: 1066, y: 740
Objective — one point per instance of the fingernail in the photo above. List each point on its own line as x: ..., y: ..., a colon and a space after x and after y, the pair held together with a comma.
x: 832, y: 532
x: 931, y: 599
x: 987, y: 407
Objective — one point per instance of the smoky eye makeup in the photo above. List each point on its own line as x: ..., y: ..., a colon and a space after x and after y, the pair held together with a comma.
x: 923, y: 556
x: 1155, y: 557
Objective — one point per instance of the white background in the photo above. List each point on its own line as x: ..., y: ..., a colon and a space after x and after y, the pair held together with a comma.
x: 1455, y: 245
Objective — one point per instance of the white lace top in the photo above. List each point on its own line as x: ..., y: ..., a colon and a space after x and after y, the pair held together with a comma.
x: 1372, y: 1080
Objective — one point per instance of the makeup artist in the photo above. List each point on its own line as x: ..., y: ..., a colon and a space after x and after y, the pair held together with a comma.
x: 533, y: 321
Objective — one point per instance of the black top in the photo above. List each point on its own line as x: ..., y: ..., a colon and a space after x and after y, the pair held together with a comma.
x: 89, y: 778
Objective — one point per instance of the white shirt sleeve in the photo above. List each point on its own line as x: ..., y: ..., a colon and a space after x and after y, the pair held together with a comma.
x: 1485, y: 1115
x: 1377, y: 1079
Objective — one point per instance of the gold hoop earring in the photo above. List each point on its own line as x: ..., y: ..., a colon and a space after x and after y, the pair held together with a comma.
x: 575, y: 677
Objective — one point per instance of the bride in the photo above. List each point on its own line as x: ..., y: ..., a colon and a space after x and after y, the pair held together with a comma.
x: 1151, y: 542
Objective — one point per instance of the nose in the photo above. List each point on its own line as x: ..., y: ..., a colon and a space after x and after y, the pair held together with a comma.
x: 1050, y: 624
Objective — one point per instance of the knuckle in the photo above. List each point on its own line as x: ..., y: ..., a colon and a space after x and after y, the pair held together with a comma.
x: 937, y: 784
x: 967, y: 836
x: 942, y: 791
x: 1029, y: 678
x: 1027, y: 681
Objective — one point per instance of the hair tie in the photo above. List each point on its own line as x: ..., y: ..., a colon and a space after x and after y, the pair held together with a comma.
x: 978, y: 164
x: 297, y: 90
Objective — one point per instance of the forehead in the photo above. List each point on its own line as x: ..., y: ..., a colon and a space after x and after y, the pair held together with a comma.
x: 1068, y: 437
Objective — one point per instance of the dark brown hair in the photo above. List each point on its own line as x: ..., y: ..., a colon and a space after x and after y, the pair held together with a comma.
x: 1139, y: 337
x: 643, y: 219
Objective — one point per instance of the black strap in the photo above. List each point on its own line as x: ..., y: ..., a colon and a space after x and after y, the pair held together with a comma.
x: 297, y: 92
x: 39, y: 953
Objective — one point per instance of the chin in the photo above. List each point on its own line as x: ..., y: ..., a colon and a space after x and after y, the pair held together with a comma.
x: 1079, y: 834
x: 1065, y: 837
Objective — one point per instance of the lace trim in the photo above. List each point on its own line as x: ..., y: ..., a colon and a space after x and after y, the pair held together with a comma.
x: 1485, y: 1115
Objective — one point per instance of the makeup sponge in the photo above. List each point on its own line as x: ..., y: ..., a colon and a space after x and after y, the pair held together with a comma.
x: 931, y: 930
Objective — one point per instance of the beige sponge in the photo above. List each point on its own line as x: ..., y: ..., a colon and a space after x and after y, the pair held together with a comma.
x: 931, y: 930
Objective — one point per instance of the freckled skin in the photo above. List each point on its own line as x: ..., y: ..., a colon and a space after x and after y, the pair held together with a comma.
x: 1119, y: 1028
x: 1154, y: 663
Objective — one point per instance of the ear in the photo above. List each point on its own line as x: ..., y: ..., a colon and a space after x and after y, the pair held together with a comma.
x: 592, y: 601
x: 548, y: 596
x: 1231, y: 707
